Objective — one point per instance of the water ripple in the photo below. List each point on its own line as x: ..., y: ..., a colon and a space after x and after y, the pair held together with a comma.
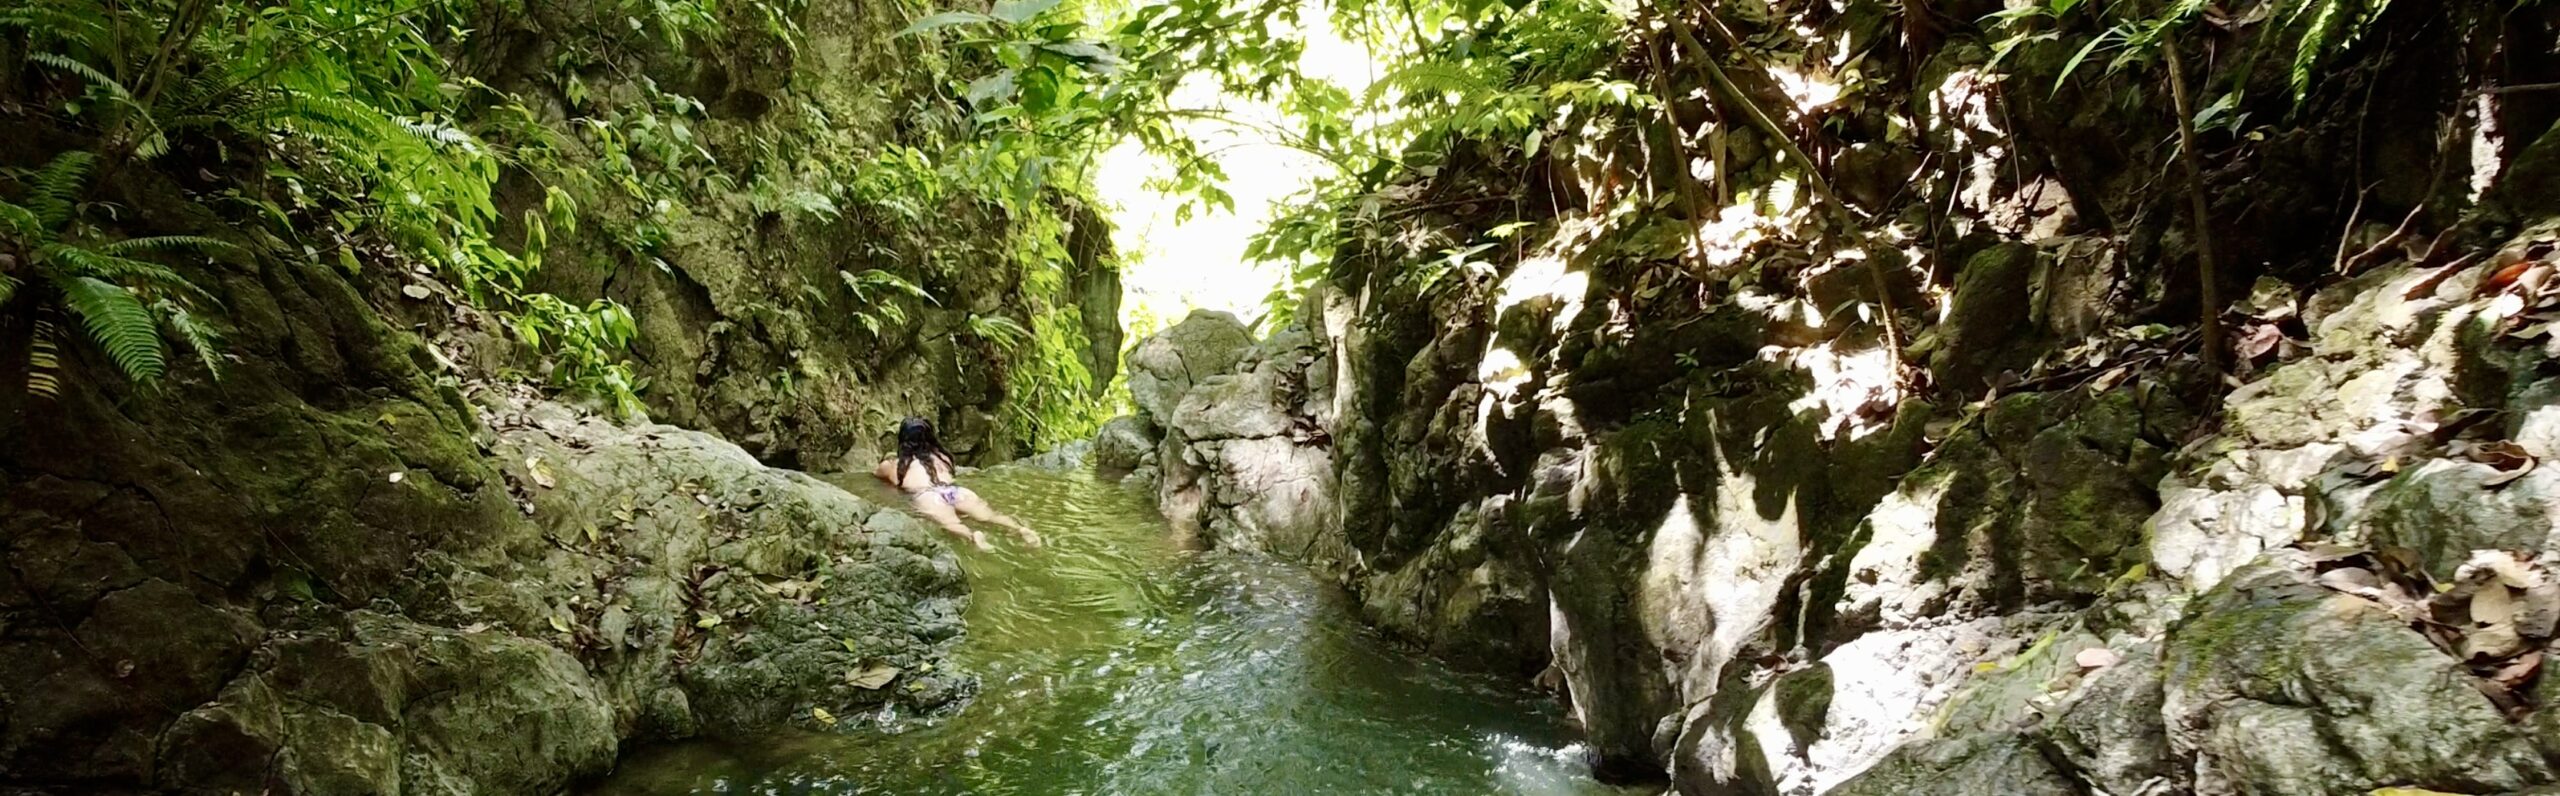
x: 1114, y: 662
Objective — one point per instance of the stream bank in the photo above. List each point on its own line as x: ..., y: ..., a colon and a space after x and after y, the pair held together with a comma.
x: 1670, y: 458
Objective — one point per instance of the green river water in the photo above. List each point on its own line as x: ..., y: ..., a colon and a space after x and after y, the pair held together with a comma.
x: 1115, y: 662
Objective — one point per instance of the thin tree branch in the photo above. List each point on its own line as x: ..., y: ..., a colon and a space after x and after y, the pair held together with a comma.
x: 1847, y: 216
x: 2207, y: 292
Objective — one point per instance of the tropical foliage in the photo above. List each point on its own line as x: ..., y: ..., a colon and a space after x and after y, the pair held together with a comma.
x: 332, y: 121
x: 121, y: 298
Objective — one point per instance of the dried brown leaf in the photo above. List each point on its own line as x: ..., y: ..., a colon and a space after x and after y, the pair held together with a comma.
x: 873, y: 677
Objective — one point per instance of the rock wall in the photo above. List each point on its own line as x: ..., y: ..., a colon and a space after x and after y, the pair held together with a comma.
x: 365, y: 559
x: 333, y: 572
x: 747, y: 325
x: 1664, y: 460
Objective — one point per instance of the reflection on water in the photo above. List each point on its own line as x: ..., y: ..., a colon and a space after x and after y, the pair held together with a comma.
x: 1115, y: 663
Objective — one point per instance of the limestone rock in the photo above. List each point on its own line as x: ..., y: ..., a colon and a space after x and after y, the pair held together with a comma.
x: 2007, y: 763
x: 1165, y: 365
x: 2275, y: 685
x: 1123, y: 443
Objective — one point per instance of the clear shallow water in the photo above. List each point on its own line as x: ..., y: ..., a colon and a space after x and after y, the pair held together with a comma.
x: 1114, y: 662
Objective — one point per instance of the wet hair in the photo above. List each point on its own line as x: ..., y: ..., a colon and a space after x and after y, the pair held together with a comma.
x: 916, y: 442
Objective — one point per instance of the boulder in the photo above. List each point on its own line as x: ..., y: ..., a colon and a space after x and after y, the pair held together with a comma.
x: 2277, y: 685
x: 1123, y: 443
x: 2005, y: 763
x: 1165, y: 365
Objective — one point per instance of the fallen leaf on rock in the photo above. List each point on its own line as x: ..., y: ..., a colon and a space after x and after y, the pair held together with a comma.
x: 708, y: 621
x: 2493, y: 605
x: 2510, y: 459
x: 2256, y: 340
x: 2352, y: 580
x: 2096, y: 658
x: 559, y: 624
x: 2495, y: 641
x: 396, y: 476
x: 873, y: 677
x: 822, y: 716
x: 541, y: 474
x: 415, y: 291
x: 2514, y: 674
x: 2325, y: 552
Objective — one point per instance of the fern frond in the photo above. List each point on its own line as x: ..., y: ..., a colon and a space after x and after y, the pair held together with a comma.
x: 119, y: 323
x: 8, y: 287
x: 1006, y: 333
x: 206, y: 91
x: 19, y: 221
x: 337, y: 119
x: 153, y: 145
x: 165, y: 243
x: 53, y: 192
x: 44, y: 360
x: 199, y: 337
x: 1431, y: 79
x: 76, y: 261
x: 871, y: 278
x: 84, y: 71
x: 84, y: 27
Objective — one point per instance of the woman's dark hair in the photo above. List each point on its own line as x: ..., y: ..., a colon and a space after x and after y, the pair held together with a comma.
x: 917, y: 442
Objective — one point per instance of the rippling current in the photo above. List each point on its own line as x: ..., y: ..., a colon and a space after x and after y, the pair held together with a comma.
x: 1116, y: 662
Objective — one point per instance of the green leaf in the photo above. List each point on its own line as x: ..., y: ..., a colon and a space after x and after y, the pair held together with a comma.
x: 991, y: 87
x: 944, y: 20
x: 1084, y: 52
x: 119, y: 323
x: 2074, y: 64
x: 1019, y: 10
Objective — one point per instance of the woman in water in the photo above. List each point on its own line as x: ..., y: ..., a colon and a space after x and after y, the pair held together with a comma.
x: 923, y: 470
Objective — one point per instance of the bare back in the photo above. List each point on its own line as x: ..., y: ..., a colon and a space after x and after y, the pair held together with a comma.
x: 921, y: 475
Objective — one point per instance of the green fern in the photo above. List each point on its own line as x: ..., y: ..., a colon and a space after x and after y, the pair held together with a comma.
x: 1432, y: 79
x: 202, y: 339
x: 54, y: 191
x: 1006, y: 333
x: 164, y: 243
x: 119, y: 323
x: 20, y: 221
x: 2327, y: 26
x: 85, y: 72
x: 77, y: 261
x: 121, y: 300
x: 44, y: 360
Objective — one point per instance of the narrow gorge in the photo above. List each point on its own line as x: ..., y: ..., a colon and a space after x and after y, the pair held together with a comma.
x: 1784, y: 397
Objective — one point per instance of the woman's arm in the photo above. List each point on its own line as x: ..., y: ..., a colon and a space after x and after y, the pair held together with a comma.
x: 887, y: 471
